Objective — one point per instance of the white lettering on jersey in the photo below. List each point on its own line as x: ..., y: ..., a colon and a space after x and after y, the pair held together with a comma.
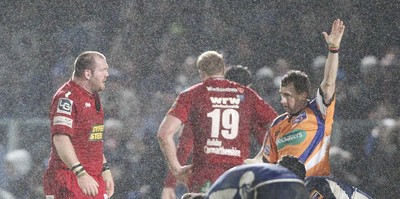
x: 225, y: 102
x: 62, y: 120
x: 222, y: 151
x: 217, y: 89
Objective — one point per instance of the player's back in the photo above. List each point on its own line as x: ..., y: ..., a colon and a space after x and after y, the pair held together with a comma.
x: 221, y: 117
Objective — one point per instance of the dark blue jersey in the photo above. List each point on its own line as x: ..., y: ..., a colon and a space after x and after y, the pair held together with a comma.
x: 331, y: 188
x: 259, y: 180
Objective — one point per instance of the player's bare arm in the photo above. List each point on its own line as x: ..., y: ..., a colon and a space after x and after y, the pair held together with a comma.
x: 67, y: 154
x: 65, y: 149
x: 165, y: 136
x: 108, y: 178
x: 331, y: 66
x: 169, y: 126
x: 259, y: 157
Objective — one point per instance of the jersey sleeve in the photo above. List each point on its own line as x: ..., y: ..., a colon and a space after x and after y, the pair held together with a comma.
x: 62, y: 115
x: 270, y: 151
x: 181, y: 107
x: 327, y: 110
x: 264, y: 116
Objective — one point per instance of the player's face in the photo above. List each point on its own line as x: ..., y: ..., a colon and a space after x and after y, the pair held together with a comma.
x: 292, y: 101
x: 99, y: 75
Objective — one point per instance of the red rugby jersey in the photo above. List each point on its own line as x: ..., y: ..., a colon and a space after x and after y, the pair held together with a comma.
x: 73, y: 112
x: 222, y: 115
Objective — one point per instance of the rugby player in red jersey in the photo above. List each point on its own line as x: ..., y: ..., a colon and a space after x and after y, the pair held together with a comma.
x: 77, y: 166
x: 236, y: 73
x: 221, y: 115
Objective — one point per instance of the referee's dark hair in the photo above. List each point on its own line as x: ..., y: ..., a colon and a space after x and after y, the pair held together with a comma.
x: 239, y: 74
x: 293, y: 164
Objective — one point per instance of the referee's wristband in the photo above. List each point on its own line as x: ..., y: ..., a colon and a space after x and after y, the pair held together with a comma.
x: 333, y: 48
x: 106, y: 166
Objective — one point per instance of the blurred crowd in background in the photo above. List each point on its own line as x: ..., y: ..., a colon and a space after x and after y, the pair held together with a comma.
x: 152, y: 47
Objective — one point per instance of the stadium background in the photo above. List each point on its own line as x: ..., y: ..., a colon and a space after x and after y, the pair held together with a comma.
x: 151, y: 47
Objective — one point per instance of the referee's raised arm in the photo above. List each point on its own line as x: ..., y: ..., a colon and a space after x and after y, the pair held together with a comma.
x: 333, y: 40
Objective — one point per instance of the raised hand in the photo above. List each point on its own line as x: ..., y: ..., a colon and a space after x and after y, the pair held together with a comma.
x: 334, y: 38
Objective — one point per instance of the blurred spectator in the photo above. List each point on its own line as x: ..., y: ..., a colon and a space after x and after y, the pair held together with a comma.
x: 123, y: 151
x: 3, y: 152
x: 5, y: 194
x: 355, y: 98
x: 157, y: 93
x: 266, y: 86
x: 188, y: 75
x: 18, y: 167
x: 239, y: 74
x: 281, y: 66
x: 120, y: 101
x: 150, y: 171
x: 382, y: 150
x: 389, y: 73
x: 317, y: 67
x: 340, y: 165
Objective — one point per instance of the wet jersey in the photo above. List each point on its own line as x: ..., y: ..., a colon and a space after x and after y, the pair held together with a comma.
x: 221, y: 115
x: 305, y: 135
x: 245, y: 181
x: 78, y: 114
x: 328, y: 187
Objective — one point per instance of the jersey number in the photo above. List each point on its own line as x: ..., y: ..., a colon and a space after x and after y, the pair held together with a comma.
x: 229, y: 119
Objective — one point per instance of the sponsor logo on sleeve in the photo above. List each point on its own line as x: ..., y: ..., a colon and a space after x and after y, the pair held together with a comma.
x: 64, y: 106
x: 62, y: 120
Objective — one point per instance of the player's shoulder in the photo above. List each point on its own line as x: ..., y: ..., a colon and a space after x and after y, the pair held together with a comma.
x: 279, y: 119
x: 218, y: 86
x: 268, y: 170
x: 193, y: 88
x: 68, y: 90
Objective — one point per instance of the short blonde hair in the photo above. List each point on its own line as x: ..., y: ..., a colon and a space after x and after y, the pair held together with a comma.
x: 211, y: 63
